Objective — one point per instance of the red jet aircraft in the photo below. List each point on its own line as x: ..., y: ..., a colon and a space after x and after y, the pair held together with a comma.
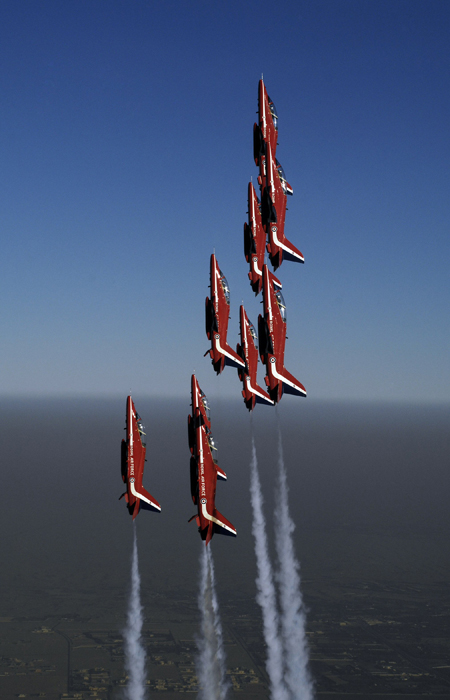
x: 275, y: 189
x: 217, y: 315
x: 272, y: 339
x: 133, y: 459
x: 254, y: 240
x: 266, y: 131
x: 252, y: 392
x: 204, y: 469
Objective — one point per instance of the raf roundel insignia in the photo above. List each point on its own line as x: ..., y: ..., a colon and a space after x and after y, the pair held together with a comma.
x: 131, y: 481
x: 274, y: 229
x: 272, y: 359
x: 217, y: 336
x: 203, y: 500
x: 255, y: 259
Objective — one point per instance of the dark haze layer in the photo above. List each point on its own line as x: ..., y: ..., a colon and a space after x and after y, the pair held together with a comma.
x: 368, y: 483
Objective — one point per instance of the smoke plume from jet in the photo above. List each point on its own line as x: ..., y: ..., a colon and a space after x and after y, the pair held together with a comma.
x: 293, y: 620
x: 211, y: 658
x: 266, y: 596
x: 133, y: 647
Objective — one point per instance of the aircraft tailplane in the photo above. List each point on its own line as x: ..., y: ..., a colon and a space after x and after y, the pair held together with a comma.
x: 147, y: 502
x: 220, y: 473
x: 291, y: 385
x: 222, y: 526
x: 290, y: 252
x: 232, y: 359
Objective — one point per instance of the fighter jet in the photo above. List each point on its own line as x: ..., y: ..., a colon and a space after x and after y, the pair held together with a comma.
x: 275, y: 189
x: 133, y: 459
x: 204, y: 469
x: 217, y: 315
x: 248, y: 350
x: 266, y: 130
x: 272, y: 339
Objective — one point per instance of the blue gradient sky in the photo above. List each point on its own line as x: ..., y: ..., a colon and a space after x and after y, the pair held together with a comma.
x: 126, y: 142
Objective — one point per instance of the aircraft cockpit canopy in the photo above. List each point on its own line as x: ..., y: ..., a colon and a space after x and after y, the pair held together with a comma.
x: 274, y: 113
x: 141, y: 429
x: 225, y: 287
x: 251, y: 328
x: 281, y: 304
x: 211, y: 442
x: 282, y: 178
x: 206, y: 405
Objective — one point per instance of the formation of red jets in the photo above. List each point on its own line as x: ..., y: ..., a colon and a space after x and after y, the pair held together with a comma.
x: 263, y: 232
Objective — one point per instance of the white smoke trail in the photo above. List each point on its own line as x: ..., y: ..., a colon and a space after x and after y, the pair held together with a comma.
x: 293, y: 619
x: 266, y: 596
x: 133, y: 647
x: 224, y: 685
x: 211, y: 658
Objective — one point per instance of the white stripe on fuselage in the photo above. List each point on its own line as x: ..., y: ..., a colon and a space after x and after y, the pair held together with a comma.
x: 264, y: 112
x: 256, y: 268
x: 131, y: 424
x: 131, y: 445
x: 272, y: 186
x: 269, y: 299
x: 214, y: 291
x: 216, y: 277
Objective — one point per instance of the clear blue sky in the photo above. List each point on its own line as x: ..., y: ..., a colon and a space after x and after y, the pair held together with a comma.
x: 126, y: 146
